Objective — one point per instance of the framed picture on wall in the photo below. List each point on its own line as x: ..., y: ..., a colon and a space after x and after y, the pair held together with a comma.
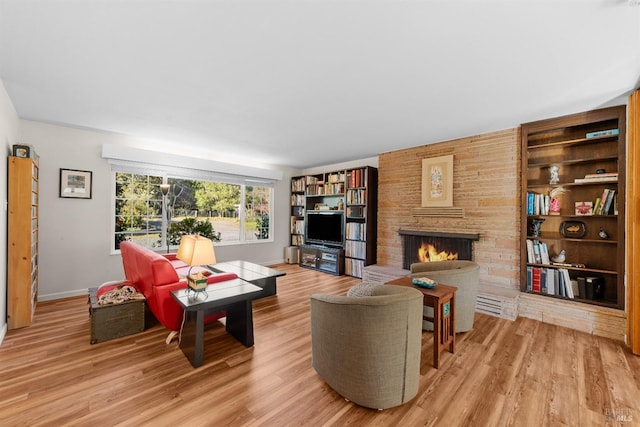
x: 75, y: 184
x: 437, y: 181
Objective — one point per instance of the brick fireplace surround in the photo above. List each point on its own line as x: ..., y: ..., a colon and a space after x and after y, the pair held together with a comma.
x: 486, y: 187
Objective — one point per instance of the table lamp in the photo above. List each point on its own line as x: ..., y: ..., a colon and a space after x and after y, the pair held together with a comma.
x: 196, y: 250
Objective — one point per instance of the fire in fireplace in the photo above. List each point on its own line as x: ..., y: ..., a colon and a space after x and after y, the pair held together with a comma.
x: 421, y: 246
x: 429, y: 253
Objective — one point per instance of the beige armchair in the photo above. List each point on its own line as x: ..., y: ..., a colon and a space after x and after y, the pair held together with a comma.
x: 368, y: 348
x: 464, y: 275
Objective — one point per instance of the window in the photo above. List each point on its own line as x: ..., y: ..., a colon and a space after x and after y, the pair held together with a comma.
x: 226, y: 212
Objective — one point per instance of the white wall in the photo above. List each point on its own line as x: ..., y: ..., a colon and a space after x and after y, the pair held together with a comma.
x: 75, y: 233
x: 9, y: 134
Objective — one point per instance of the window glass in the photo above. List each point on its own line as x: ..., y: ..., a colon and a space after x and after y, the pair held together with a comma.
x: 257, y: 213
x: 223, y: 212
x: 138, y: 209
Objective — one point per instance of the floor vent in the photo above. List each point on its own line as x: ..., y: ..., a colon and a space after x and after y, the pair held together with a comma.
x: 494, y: 304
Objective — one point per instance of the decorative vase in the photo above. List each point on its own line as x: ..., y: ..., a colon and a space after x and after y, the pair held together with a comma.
x: 536, y: 223
x: 554, y: 206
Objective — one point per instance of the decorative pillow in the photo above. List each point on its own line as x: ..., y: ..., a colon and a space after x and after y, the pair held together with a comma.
x: 362, y: 289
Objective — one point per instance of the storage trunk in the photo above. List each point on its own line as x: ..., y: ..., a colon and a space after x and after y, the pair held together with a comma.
x: 114, y: 320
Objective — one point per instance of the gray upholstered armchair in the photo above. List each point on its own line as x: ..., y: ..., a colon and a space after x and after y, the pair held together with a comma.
x: 464, y: 275
x: 367, y: 348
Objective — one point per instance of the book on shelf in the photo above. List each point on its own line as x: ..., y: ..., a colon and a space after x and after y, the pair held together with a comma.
x: 607, y: 206
x: 596, y: 205
x: 551, y: 281
x: 535, y: 281
x: 598, y: 177
x: 602, y: 175
x: 592, y: 180
x: 544, y: 253
x: 603, y: 133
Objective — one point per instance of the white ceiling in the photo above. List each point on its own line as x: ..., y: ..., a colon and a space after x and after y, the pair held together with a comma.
x: 304, y: 83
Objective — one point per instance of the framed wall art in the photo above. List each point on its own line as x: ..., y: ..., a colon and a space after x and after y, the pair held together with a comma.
x: 437, y: 181
x: 75, y: 184
x: 21, y: 150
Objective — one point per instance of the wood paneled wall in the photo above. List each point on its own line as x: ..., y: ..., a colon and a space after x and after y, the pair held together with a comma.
x: 486, y: 182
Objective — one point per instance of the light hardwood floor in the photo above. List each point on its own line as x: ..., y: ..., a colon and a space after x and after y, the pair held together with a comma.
x: 522, y: 373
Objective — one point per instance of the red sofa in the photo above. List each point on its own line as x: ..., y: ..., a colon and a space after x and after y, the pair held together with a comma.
x: 156, y: 275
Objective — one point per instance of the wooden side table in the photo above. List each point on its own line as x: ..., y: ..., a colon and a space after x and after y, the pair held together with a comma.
x: 443, y: 300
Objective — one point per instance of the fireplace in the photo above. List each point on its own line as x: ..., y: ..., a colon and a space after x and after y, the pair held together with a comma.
x: 428, y: 246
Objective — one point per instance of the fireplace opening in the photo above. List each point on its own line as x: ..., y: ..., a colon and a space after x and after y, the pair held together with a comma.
x: 429, y: 253
x: 420, y: 246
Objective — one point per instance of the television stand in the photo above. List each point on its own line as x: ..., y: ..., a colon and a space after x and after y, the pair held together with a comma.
x: 322, y: 258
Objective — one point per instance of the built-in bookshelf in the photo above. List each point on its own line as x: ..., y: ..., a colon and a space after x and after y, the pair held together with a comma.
x: 350, y: 192
x: 573, y: 207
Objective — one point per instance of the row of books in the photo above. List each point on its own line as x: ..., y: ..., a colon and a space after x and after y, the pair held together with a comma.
x: 538, y: 204
x: 603, y: 204
x: 297, y: 239
x: 537, y: 252
x: 297, y: 225
x: 298, y: 184
x: 356, y: 197
x: 297, y: 199
x: 328, y: 189
x: 355, y: 249
x: 358, y: 178
x: 353, y: 267
x: 356, y: 231
x: 551, y: 281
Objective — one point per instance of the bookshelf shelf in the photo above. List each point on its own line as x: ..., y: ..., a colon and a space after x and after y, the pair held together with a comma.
x: 560, y: 150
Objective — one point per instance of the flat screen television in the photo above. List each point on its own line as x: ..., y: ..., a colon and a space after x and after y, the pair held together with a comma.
x: 325, y: 228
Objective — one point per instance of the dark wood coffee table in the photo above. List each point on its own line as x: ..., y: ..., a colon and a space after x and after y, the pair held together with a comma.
x: 257, y: 274
x: 443, y: 300
x: 233, y: 296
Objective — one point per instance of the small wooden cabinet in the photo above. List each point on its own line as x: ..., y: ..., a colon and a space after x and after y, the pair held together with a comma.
x: 570, y: 165
x: 329, y: 260
x: 22, y: 241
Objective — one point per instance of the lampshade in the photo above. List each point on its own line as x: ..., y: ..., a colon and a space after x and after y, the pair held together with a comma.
x: 196, y: 250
